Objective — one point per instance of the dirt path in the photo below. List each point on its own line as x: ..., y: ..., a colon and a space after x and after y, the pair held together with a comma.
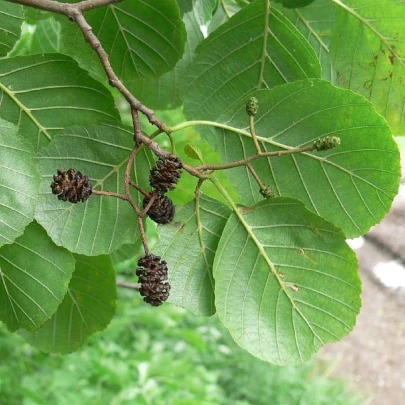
x: 372, y: 356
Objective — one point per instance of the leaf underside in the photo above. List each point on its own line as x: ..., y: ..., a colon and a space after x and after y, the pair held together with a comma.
x: 286, y: 282
x: 350, y: 185
x: 42, y: 94
x: 188, y: 245
x: 19, y: 182
x: 11, y: 19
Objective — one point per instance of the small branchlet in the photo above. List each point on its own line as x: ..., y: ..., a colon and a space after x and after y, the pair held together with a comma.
x: 327, y: 142
x: 252, y: 106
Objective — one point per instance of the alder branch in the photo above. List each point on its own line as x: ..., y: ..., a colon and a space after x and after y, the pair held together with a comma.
x: 250, y: 159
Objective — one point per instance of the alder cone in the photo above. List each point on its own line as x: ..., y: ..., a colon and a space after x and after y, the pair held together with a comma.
x: 166, y: 173
x: 162, y: 209
x: 70, y: 185
x: 152, y: 275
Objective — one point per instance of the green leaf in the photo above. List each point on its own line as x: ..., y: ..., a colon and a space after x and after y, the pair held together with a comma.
x: 193, y: 152
x: 164, y: 92
x: 101, y: 224
x: 34, y: 276
x: 11, y: 19
x: 143, y: 38
x: 43, y: 94
x: 286, y: 282
x: 351, y: 186
x: 295, y: 3
x: 188, y: 246
x: 47, y: 37
x: 88, y: 307
x: 203, y: 10
x: 316, y: 23
x: 368, y: 53
x: 255, y: 49
x: 19, y: 182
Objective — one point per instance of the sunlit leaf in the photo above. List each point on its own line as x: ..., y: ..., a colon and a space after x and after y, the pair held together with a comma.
x: 368, y: 53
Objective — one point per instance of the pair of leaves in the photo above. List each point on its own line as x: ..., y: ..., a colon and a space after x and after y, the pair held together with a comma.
x: 55, y: 300
x: 351, y: 186
x: 285, y: 283
x: 142, y: 37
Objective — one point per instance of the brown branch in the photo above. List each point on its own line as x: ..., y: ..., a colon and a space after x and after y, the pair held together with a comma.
x: 256, y: 177
x: 139, y: 188
x: 110, y: 194
x: 131, y: 286
x: 253, y: 133
x: 250, y: 159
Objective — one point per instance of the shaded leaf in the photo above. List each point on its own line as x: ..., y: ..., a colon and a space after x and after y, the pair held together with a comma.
x: 101, y: 224
x: 368, y: 53
x: 34, y: 276
x: 19, y: 182
x: 295, y: 3
x: 286, y: 282
x: 243, y: 55
x: 188, y: 246
x: 88, y: 307
x: 164, y: 92
x: 43, y: 94
x: 193, y: 152
x: 351, y: 186
x: 144, y: 38
x: 11, y: 19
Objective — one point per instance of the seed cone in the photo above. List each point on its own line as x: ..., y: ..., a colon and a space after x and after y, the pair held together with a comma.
x: 166, y: 173
x: 152, y: 275
x: 71, y: 186
x: 162, y: 209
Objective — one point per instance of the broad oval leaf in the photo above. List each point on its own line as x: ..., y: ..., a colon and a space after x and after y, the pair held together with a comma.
x: 144, y: 38
x: 188, y: 246
x: 101, y: 224
x: 43, y: 94
x: 11, y: 19
x: 34, y: 276
x: 368, y: 53
x: 286, y: 282
x: 257, y: 48
x: 351, y: 186
x: 19, y: 182
x: 87, y: 308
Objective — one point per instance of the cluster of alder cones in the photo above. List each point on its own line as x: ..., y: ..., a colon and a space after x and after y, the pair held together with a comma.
x: 71, y: 185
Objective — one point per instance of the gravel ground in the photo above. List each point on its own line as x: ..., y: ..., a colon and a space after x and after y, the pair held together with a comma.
x: 372, y: 356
